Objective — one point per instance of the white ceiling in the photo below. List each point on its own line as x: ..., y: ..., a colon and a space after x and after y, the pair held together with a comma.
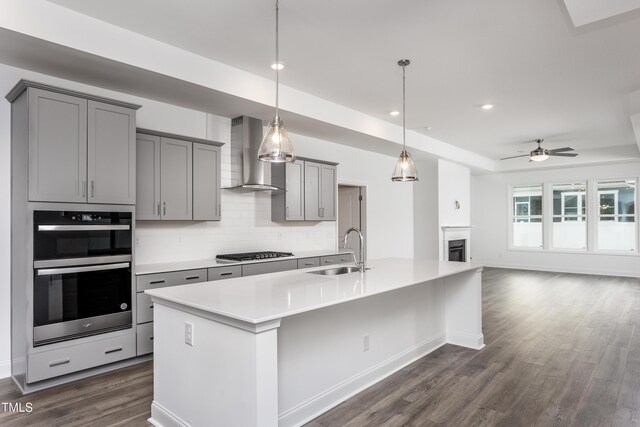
x: 571, y: 86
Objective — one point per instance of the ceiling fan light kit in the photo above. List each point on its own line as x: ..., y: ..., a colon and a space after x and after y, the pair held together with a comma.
x: 540, y: 154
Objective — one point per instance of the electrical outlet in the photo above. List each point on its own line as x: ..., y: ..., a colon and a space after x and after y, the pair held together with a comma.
x: 180, y: 240
x: 365, y: 343
x: 188, y: 333
x: 137, y: 242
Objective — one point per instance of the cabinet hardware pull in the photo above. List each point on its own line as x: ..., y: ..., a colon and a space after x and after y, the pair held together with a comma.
x: 320, y: 212
x: 218, y: 209
x: 287, y: 211
x: 155, y: 282
x: 151, y: 306
x: 227, y: 274
x: 84, y: 185
x: 308, y: 263
x: 151, y: 338
x: 113, y: 350
x: 164, y: 208
x: 192, y: 277
x: 93, y: 188
x: 59, y: 362
x: 158, y: 208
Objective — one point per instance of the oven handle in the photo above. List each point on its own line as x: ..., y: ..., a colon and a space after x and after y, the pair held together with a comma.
x: 52, y: 271
x: 97, y: 227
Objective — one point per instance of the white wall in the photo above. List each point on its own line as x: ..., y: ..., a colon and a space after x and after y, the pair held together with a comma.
x: 246, y: 223
x: 454, y: 184
x: 490, y: 237
x: 426, y: 224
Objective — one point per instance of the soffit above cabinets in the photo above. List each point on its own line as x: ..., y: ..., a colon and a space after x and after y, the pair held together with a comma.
x: 585, y: 12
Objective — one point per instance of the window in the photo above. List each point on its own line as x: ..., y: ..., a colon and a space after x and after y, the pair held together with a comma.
x: 570, y: 216
x: 527, y: 216
x: 617, y: 215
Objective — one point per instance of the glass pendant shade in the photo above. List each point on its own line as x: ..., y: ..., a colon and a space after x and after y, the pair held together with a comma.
x: 405, y: 169
x: 276, y: 146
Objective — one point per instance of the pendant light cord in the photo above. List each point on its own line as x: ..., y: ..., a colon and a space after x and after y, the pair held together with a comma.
x: 404, y: 116
x: 277, y: 60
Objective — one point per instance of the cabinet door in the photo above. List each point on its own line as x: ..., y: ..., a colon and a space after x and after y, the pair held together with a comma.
x: 57, y: 147
x: 176, y: 179
x: 147, y: 176
x: 328, y: 188
x: 111, y: 153
x: 206, y: 182
x: 312, y: 177
x: 294, y: 197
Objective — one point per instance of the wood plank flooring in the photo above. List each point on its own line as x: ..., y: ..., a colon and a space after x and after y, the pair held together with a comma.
x: 561, y: 350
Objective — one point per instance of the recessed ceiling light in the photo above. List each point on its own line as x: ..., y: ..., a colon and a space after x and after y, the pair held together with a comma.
x: 486, y: 106
x: 395, y: 113
x: 277, y: 66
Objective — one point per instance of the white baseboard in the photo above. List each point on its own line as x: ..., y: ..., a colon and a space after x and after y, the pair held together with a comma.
x: 162, y: 417
x: 326, y: 400
x: 475, y: 342
x: 554, y: 269
x: 5, y: 369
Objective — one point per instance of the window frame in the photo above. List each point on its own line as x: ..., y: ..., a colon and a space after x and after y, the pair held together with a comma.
x: 579, y: 215
x: 512, y: 216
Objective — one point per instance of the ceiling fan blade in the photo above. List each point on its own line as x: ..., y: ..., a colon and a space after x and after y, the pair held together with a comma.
x: 513, y: 157
x: 559, y: 150
x: 563, y: 154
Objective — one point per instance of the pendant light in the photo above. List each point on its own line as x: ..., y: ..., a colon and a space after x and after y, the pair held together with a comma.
x: 276, y: 146
x: 405, y: 170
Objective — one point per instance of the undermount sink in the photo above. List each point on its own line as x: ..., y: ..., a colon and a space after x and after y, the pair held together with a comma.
x: 336, y: 270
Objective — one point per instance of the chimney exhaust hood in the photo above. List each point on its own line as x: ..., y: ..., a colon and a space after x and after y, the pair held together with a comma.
x: 247, y: 172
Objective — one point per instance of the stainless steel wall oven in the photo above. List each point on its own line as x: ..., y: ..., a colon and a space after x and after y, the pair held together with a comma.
x: 82, y: 274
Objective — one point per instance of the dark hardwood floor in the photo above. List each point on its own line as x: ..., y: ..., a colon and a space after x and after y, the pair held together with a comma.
x: 561, y: 349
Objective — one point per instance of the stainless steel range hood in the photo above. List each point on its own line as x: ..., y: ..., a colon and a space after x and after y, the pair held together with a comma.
x: 247, y: 172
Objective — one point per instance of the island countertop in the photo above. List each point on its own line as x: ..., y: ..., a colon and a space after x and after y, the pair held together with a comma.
x: 261, y: 298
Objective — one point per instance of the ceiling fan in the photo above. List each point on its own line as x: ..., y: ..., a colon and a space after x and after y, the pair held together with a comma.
x: 540, y: 154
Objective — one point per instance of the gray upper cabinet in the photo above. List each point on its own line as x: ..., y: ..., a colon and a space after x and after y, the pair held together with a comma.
x: 288, y: 205
x: 81, y: 147
x: 206, y: 182
x: 312, y: 179
x: 147, y: 177
x: 111, y: 154
x: 328, y: 187
x: 57, y: 147
x: 176, y: 179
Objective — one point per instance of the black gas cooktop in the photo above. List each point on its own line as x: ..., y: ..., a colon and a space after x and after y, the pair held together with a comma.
x: 251, y: 256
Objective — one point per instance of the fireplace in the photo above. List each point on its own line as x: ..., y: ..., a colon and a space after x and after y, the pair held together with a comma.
x: 457, y: 250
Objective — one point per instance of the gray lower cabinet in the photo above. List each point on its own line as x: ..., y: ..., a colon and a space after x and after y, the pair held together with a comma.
x: 81, y: 147
x: 177, y: 178
x: 144, y: 305
x: 308, y: 262
x: 336, y: 259
x: 220, y: 273
x: 269, y: 267
x: 74, y: 358
x: 206, y: 182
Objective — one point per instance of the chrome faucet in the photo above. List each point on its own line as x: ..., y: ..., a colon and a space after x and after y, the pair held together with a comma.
x: 359, y: 263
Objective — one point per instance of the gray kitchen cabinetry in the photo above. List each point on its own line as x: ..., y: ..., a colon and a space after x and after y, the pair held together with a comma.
x: 337, y: 259
x: 220, y: 273
x: 144, y: 305
x: 178, y: 177
x: 288, y: 205
x: 81, y: 147
x: 320, y: 191
x: 206, y: 182
x: 269, y: 267
x: 308, y: 262
x: 311, y: 191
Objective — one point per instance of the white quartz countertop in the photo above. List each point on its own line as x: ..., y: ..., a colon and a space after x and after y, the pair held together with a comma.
x: 164, y: 267
x: 265, y: 297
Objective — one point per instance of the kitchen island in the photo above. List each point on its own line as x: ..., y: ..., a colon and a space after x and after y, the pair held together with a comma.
x: 279, y: 349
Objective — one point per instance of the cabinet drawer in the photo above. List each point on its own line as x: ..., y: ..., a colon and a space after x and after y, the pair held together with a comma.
x: 144, y: 308
x: 336, y: 259
x: 160, y: 280
x: 144, y: 339
x: 219, y: 273
x: 269, y: 267
x: 49, y: 364
x: 308, y: 262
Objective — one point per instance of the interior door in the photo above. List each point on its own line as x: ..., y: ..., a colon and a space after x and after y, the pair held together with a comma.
x: 349, y: 215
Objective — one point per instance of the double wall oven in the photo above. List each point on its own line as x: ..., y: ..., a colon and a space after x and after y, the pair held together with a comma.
x: 82, y: 274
